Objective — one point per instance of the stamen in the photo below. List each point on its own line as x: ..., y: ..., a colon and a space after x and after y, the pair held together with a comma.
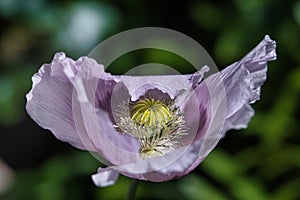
x: 156, y: 123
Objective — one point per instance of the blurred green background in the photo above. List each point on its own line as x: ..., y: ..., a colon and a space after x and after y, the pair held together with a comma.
x: 261, y: 162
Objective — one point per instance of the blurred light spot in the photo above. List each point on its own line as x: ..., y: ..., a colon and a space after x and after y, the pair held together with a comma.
x: 85, y: 25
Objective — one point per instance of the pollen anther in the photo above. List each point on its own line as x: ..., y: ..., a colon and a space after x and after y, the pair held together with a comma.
x: 157, y: 124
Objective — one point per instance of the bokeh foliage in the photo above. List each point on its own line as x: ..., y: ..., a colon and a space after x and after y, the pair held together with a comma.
x: 261, y: 162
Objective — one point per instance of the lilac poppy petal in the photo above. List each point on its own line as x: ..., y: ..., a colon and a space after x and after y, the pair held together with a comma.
x: 49, y: 103
x: 240, y: 119
x: 198, y: 76
x: 172, y: 85
x: 242, y: 87
x: 105, y: 177
x: 212, y: 107
x: 116, y: 148
x: 196, y: 111
x: 151, y: 165
x: 57, y: 67
x: 106, y: 82
x: 242, y: 80
x: 104, y: 92
x: 173, y: 167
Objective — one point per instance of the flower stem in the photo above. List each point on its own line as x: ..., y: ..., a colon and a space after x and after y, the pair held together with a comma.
x: 132, y: 189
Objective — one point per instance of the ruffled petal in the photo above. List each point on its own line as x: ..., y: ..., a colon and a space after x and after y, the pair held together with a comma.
x: 231, y: 92
x: 105, y: 177
x: 56, y: 68
x: 114, y: 147
x: 243, y: 79
x: 49, y: 103
x: 240, y: 119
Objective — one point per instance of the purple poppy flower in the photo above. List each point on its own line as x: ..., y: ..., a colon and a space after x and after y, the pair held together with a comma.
x: 154, y: 128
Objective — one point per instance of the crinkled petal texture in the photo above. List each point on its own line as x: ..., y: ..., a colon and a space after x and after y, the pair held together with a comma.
x: 77, y: 100
x: 72, y: 98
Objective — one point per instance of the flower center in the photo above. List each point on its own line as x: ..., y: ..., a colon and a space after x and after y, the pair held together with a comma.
x: 155, y: 123
x: 149, y: 113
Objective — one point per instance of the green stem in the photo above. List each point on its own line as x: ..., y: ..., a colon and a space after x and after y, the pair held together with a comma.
x: 132, y: 189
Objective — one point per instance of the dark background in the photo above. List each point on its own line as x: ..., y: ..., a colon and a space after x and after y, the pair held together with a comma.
x: 261, y: 162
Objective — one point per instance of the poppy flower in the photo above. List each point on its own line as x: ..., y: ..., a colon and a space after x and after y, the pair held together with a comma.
x: 154, y: 128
